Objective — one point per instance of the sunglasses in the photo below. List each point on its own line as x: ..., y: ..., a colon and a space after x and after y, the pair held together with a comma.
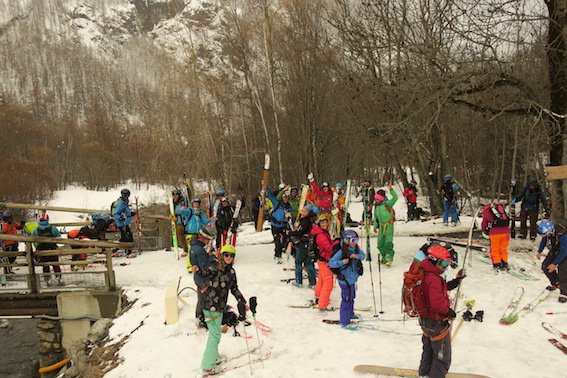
x: 444, y: 263
x: 228, y: 254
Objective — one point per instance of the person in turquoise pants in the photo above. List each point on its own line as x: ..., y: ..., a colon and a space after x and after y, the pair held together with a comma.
x: 383, y: 218
x: 223, y: 280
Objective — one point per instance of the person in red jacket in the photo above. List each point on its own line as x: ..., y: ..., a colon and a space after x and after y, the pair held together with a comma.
x: 324, y: 285
x: 323, y: 195
x: 495, y: 224
x: 10, y: 227
x: 436, y: 339
x: 410, y: 193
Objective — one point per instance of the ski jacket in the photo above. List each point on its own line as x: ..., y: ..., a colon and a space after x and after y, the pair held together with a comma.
x: 177, y: 211
x: 199, y: 257
x: 11, y: 229
x: 45, y: 228
x: 324, y: 242
x: 224, y: 217
x: 367, y: 195
x: 488, y: 219
x: 455, y: 188
x: 303, y: 229
x: 122, y: 213
x: 88, y: 232
x: 411, y: 194
x: 195, y: 219
x: 294, y: 201
x: 384, y: 211
x: 435, y: 289
x: 281, y: 211
x: 223, y: 280
x: 349, y: 270
x: 323, y: 200
x: 531, y: 198
x: 557, y: 246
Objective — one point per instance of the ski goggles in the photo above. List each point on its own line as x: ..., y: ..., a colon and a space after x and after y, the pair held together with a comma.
x: 352, y: 240
x: 444, y: 263
x: 228, y: 254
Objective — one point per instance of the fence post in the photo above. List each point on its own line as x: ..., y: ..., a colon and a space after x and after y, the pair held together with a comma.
x: 109, y: 270
x: 32, y: 280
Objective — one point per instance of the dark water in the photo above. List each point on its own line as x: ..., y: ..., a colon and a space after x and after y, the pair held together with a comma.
x: 18, y: 353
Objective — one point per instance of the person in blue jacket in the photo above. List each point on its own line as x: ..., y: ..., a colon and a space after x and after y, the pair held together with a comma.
x: 122, y: 215
x: 554, y: 265
x: 448, y: 192
x: 531, y: 196
x: 202, y: 259
x: 346, y: 261
x: 194, y: 219
x: 45, y: 229
x: 280, y: 220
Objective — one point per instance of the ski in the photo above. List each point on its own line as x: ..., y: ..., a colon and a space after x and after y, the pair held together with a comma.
x: 512, y: 306
x: 173, y: 227
x: 513, y: 182
x: 348, y: 193
x: 260, y: 224
x: 556, y: 343
x: 459, y: 244
x: 228, y: 359
x: 363, y: 320
x: 237, y: 208
x: 551, y: 329
x: 253, y: 361
x: 521, y: 273
x: 138, y: 226
x: 392, y: 371
x: 330, y: 308
x: 378, y: 328
x: 187, y: 189
x: 515, y: 315
x: 262, y: 327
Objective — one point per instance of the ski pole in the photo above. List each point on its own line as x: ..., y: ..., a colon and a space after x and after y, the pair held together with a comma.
x: 247, y: 348
x: 253, y: 303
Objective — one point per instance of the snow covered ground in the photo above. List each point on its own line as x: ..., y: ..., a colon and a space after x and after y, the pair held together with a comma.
x: 301, y: 345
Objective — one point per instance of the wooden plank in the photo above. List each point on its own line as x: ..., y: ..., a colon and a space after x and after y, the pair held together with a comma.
x: 60, y: 252
x: 86, y: 243
x: 556, y: 172
x: 171, y: 310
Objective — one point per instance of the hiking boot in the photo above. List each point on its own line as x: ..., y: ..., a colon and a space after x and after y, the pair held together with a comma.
x: 562, y: 299
x: 504, y: 266
x: 445, y: 224
x: 355, y: 317
x: 311, y: 286
x: 279, y: 260
x: 350, y: 327
x: 297, y: 285
x: 330, y: 308
x: 552, y: 287
x: 60, y: 282
x: 496, y: 268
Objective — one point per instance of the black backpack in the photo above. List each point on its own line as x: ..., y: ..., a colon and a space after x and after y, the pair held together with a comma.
x: 47, y: 233
x: 313, y: 249
x: 447, y: 190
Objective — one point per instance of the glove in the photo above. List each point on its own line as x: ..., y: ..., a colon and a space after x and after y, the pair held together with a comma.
x: 242, y: 310
x: 122, y: 217
x: 133, y: 213
x: 451, y: 314
x: 310, y: 177
x: 513, y: 202
x: 174, y: 219
x: 461, y: 273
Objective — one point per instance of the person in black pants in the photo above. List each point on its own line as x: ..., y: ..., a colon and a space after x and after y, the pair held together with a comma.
x: 554, y: 265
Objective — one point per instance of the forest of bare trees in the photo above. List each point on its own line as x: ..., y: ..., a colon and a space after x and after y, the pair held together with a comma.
x: 342, y: 88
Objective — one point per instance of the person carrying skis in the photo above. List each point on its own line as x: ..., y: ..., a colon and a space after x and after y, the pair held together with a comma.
x: 323, y: 196
x: 223, y: 279
x: 325, y: 246
x: 410, y: 193
x: 554, y: 265
x: 495, y: 224
x: 194, y: 219
x: 180, y: 222
x: 9, y: 227
x: 531, y: 196
x: 436, y: 339
x: 200, y: 260
x: 293, y: 199
x: 383, y: 219
x: 45, y: 229
x: 449, y: 197
x: 122, y: 215
x: 368, y: 193
x: 280, y: 220
x: 226, y: 221
x: 347, y: 260
x: 300, y: 242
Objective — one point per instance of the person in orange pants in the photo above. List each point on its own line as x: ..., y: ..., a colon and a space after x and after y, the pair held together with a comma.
x: 495, y: 223
x: 325, y: 247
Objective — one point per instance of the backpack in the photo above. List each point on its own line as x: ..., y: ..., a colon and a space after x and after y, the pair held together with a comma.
x: 313, y: 249
x: 46, y: 233
x: 113, y: 207
x: 499, y: 213
x: 447, y: 190
x: 413, y: 297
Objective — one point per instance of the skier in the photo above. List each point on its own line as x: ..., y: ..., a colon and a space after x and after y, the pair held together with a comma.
x: 180, y: 223
x: 194, y: 219
x: 226, y: 221
x: 293, y: 199
x: 280, y: 220
x: 323, y: 196
x: 122, y: 215
x: 325, y: 246
x: 436, y: 339
x: 384, y: 218
x: 201, y: 260
x: 495, y: 224
x: 346, y: 260
x: 44, y: 229
x: 300, y: 240
x: 10, y: 227
x: 223, y: 279
x: 531, y: 196
x: 449, y: 196
x: 410, y: 193
x: 554, y: 265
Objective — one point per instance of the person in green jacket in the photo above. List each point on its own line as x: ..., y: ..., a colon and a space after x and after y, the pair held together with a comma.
x: 383, y: 218
x: 293, y: 199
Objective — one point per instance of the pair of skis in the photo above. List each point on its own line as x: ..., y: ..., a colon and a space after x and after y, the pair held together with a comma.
x: 556, y: 343
x: 513, y: 312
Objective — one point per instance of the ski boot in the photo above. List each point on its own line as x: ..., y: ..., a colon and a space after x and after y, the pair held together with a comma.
x: 468, y: 316
x: 479, y: 316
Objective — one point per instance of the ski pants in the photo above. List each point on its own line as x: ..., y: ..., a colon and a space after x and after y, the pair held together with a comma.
x: 46, y: 268
x: 348, y: 293
x: 412, y: 208
x: 557, y: 277
x: 126, y: 236
x: 280, y: 240
x: 300, y: 260
x: 214, y: 320
x: 436, y: 355
x: 201, y: 287
x: 450, y: 208
x: 386, y: 242
x: 324, y: 285
x: 181, y: 241
x: 13, y: 248
x: 221, y: 237
x: 532, y: 216
x: 499, y: 247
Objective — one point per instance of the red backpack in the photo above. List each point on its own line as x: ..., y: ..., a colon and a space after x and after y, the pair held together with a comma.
x: 413, y: 298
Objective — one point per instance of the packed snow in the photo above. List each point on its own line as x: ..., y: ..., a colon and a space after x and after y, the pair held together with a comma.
x: 301, y: 344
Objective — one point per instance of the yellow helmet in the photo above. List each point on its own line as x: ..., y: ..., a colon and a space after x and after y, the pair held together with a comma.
x: 228, y: 248
x: 324, y: 217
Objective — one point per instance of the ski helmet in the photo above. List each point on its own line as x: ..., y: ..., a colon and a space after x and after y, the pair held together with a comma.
x: 281, y: 186
x: 287, y: 193
x: 339, y: 185
x: 295, y: 188
x: 413, y: 182
x: 546, y: 227
x: 206, y: 233
x: 177, y: 192
x: 125, y: 193
x: 350, y: 236
x: 533, y: 181
x: 224, y: 199
x: 228, y: 248
x: 196, y: 200
x: 436, y: 253
x: 448, y: 176
x: 43, y: 217
x: 220, y: 192
x: 324, y: 217
x: 325, y: 185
